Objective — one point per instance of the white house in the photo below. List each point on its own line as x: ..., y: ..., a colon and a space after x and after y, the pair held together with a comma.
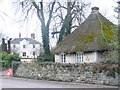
x: 27, y: 48
x: 88, y: 43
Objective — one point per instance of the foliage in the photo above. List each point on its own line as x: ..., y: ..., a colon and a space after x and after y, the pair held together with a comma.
x: 0, y: 48
x: 7, y: 59
x: 113, y: 55
x: 110, y: 69
x: 44, y: 58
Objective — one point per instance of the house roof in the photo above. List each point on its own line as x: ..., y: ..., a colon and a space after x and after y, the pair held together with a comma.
x: 91, y: 35
x: 18, y: 40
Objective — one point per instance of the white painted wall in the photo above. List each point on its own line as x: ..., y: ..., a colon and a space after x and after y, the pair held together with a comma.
x: 71, y: 58
x: 28, y: 59
x: 90, y: 57
x: 28, y: 49
x: 58, y: 58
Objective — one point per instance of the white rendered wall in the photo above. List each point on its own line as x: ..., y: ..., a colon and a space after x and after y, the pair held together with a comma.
x: 71, y: 58
x: 58, y: 58
x: 28, y: 49
x: 90, y: 57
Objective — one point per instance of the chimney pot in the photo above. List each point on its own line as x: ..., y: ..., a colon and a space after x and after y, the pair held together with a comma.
x: 95, y: 8
x: 33, y: 36
x: 19, y: 35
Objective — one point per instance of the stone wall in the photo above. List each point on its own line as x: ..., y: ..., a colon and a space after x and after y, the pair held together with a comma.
x: 82, y: 73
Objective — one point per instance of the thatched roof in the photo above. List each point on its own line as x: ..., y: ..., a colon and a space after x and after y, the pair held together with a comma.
x: 91, y: 35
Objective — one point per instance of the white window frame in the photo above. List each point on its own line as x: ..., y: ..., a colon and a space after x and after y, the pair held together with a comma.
x: 79, y: 57
x: 63, y: 57
x: 24, y: 46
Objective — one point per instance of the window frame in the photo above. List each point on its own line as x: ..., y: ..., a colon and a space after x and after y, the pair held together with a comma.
x: 33, y: 53
x: 33, y: 46
x: 24, y: 46
x: 24, y: 54
x: 79, y: 57
x: 63, y: 57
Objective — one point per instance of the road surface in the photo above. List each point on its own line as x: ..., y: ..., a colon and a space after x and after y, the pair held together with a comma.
x: 30, y: 83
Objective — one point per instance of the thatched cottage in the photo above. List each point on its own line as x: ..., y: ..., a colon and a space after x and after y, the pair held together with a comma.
x: 88, y: 43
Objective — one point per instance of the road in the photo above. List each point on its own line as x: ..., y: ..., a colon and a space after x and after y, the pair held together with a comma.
x: 30, y: 83
x: 14, y: 82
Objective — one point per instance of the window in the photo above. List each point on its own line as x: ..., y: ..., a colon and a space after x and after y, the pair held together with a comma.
x: 23, y: 46
x: 33, y: 53
x: 33, y: 46
x: 79, y: 57
x: 63, y: 57
x: 14, y: 46
x: 24, y: 54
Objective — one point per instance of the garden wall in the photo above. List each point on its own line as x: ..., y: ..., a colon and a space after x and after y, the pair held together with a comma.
x: 82, y: 73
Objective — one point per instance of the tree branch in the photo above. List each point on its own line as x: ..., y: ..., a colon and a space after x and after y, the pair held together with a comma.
x: 50, y: 14
x: 60, y: 6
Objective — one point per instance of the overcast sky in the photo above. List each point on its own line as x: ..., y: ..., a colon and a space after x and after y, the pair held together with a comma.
x: 9, y: 20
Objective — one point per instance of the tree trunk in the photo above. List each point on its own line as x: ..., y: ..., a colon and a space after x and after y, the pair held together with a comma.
x: 45, y: 39
x: 66, y: 27
x: 9, y: 49
x: 44, y: 27
x: 4, y: 45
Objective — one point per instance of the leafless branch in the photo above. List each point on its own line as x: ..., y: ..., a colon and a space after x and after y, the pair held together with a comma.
x: 60, y: 6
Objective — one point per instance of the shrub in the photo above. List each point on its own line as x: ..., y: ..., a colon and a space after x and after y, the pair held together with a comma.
x: 113, y: 57
x: 45, y: 58
x: 110, y: 69
x: 6, y: 59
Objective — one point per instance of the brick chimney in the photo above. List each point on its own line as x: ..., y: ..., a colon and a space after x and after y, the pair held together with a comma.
x: 32, y: 35
x: 19, y: 35
x: 95, y: 9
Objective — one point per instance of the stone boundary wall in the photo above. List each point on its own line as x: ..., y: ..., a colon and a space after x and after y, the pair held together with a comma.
x: 95, y: 73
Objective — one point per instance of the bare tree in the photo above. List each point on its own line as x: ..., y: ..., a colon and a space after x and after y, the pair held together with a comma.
x: 117, y: 9
x: 74, y: 13
x: 39, y: 7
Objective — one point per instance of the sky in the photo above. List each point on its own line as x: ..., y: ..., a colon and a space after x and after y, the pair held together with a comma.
x: 11, y: 26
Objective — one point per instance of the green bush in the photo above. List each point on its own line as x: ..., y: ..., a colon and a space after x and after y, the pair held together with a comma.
x: 6, y: 59
x: 113, y: 57
x: 3, y: 63
x: 45, y: 58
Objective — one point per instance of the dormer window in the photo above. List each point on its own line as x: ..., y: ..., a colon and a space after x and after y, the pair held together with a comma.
x: 23, y: 46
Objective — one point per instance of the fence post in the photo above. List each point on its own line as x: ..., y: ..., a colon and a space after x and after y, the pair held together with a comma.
x: 12, y: 68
